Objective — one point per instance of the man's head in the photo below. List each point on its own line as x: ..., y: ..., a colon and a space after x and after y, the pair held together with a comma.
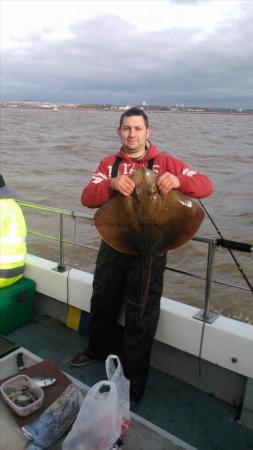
x: 134, y: 131
x: 134, y: 112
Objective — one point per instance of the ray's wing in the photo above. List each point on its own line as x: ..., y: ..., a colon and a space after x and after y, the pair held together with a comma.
x: 117, y: 224
x: 179, y: 220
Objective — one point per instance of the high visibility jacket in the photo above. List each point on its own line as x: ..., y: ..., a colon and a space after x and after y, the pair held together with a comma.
x: 12, y: 242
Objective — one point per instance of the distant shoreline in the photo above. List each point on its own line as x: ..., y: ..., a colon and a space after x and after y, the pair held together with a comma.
x: 55, y: 107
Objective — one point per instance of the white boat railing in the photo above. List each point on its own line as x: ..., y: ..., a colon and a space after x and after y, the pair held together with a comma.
x: 212, y: 243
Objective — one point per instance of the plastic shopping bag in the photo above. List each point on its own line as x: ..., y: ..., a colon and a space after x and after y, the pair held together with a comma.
x: 52, y: 424
x: 98, y: 424
x: 115, y: 375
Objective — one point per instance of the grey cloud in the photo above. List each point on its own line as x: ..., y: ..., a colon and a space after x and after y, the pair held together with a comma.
x: 109, y: 61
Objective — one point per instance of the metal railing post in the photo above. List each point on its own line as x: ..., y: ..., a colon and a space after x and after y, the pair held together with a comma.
x: 61, y: 267
x: 205, y: 314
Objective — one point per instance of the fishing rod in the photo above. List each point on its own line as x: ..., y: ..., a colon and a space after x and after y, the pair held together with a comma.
x: 229, y: 245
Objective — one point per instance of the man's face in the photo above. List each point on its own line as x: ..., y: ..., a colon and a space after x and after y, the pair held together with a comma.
x: 133, y: 134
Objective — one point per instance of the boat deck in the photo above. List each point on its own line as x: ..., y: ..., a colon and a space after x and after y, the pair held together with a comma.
x: 198, y: 419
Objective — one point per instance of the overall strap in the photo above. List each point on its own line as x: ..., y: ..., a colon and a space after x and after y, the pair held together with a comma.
x: 115, y: 166
x: 150, y: 164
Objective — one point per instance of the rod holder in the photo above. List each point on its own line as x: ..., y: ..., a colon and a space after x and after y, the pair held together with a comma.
x: 60, y: 267
x: 205, y: 315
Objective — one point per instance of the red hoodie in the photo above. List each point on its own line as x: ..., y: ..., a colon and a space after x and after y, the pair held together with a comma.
x: 98, y: 191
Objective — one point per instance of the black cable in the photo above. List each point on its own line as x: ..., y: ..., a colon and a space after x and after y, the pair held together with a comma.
x: 201, y: 345
x: 70, y: 266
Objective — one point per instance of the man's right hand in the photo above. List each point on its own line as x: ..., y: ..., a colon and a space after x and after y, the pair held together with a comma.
x: 123, y: 184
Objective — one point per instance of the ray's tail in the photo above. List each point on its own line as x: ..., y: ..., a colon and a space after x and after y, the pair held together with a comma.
x: 145, y: 282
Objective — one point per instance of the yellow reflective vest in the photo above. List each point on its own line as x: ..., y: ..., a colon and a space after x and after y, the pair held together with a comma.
x: 12, y: 242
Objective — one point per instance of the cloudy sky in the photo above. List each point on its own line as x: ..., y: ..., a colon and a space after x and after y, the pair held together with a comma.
x: 163, y: 52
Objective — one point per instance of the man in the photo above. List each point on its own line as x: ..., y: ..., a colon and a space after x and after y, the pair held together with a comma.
x: 117, y: 275
x: 12, y: 237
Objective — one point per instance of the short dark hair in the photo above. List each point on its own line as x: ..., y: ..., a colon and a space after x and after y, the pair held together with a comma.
x: 134, y: 111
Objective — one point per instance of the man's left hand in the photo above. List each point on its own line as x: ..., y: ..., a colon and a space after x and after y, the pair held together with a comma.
x: 166, y: 182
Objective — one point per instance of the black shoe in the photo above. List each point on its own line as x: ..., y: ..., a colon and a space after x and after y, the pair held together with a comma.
x: 81, y: 360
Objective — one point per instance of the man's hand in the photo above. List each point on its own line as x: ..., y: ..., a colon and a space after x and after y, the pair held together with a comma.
x: 166, y: 182
x: 123, y: 184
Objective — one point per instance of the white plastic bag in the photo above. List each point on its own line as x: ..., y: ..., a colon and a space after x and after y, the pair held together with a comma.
x: 98, y: 424
x: 53, y: 423
x: 116, y: 375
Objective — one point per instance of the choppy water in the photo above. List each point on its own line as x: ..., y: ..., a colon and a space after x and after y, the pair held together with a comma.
x: 49, y: 156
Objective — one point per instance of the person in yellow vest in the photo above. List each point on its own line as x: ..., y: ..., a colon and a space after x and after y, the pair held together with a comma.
x: 12, y: 237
